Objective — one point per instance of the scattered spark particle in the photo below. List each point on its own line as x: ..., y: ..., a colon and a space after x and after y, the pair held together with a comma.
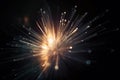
x: 56, y: 67
x: 88, y: 62
x: 88, y: 26
x: 70, y: 47
x: 89, y: 51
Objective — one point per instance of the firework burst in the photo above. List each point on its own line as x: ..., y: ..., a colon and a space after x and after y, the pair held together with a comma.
x: 51, y: 42
x: 54, y: 41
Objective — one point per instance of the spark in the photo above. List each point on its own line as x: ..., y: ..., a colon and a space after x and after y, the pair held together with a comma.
x: 56, y: 67
x: 55, y: 41
x: 70, y: 47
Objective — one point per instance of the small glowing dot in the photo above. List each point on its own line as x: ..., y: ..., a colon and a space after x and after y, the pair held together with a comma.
x: 88, y: 62
x: 70, y: 47
x: 26, y: 19
x: 69, y: 51
x: 60, y: 21
x: 82, y: 40
x: 65, y: 20
x: 56, y: 67
x: 64, y: 12
x: 23, y: 26
x: 88, y: 26
x: 86, y: 32
x: 29, y: 33
x: 89, y: 51
x: 41, y: 9
x: 43, y: 12
x: 75, y: 6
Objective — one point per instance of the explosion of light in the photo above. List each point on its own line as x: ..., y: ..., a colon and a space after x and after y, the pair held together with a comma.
x: 55, y: 41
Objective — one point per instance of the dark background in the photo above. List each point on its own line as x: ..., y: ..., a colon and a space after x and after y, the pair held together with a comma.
x: 106, y: 57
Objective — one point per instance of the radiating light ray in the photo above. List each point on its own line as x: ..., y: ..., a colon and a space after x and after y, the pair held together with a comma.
x: 52, y: 42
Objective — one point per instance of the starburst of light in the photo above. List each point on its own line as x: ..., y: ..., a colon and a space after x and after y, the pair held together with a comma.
x: 51, y: 41
x: 54, y: 41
